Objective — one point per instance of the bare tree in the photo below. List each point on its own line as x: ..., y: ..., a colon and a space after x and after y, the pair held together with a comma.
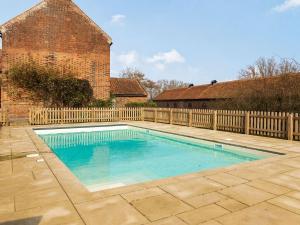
x: 268, y: 67
x: 132, y: 73
x: 153, y: 88
x: 170, y: 84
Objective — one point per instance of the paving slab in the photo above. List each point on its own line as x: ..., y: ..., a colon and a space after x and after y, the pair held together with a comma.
x: 269, y: 187
x: 169, y: 221
x: 203, y: 214
x: 32, y: 199
x: 246, y: 194
x: 227, y: 179
x: 110, y: 211
x: 285, y: 181
x: 161, y: 206
x: 206, y: 199
x: 231, y: 205
x: 57, y: 213
x: 141, y: 194
x: 261, y: 214
x: 193, y: 187
x: 287, y: 202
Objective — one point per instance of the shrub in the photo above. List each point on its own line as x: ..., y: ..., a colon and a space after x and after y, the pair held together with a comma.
x: 51, y: 87
x: 149, y: 104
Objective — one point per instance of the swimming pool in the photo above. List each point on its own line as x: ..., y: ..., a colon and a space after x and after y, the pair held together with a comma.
x: 112, y: 156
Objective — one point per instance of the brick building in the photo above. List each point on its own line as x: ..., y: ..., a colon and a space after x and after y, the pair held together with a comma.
x: 54, y: 33
x: 208, y: 95
x: 127, y: 91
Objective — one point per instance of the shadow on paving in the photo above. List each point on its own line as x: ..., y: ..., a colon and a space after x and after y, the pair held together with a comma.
x: 28, y: 221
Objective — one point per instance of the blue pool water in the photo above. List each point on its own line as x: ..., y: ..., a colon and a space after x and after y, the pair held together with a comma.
x: 111, y: 158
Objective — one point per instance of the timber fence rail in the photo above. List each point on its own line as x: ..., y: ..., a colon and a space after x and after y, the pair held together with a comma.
x: 269, y: 124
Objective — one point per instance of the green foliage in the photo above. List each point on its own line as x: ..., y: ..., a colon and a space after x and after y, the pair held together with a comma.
x: 53, y: 88
x: 98, y: 103
x: 149, y: 104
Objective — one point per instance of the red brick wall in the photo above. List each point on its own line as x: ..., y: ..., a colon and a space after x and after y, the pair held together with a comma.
x: 122, y: 101
x: 0, y: 61
x: 59, y: 35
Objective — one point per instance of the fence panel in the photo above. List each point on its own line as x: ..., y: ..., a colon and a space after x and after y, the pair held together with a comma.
x: 269, y: 124
x: 43, y: 116
x: 149, y: 114
x: 180, y: 117
x: 296, y: 127
x: 163, y: 115
x: 202, y: 118
x: 231, y: 121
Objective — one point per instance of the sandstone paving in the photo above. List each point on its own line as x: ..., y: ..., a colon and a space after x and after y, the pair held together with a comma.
x: 285, y: 181
x: 261, y: 214
x: 32, y: 199
x: 161, y: 206
x: 294, y: 194
x: 193, y: 187
x: 203, y: 214
x: 205, y: 199
x: 110, y: 211
x: 287, y: 202
x: 247, y: 194
x: 261, y: 192
x: 168, y: 221
x: 5, y: 168
x: 269, y: 187
x: 7, y: 205
x: 141, y: 194
x: 231, y: 205
x: 211, y: 222
x: 57, y: 213
x: 247, y: 173
x: 227, y: 179
x: 294, y: 173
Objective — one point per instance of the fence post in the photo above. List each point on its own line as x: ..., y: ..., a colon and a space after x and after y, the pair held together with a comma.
x: 171, y: 116
x: 290, y: 127
x: 155, y: 115
x: 247, y: 123
x: 142, y: 114
x: 190, y: 118
x: 30, y: 121
x: 215, y: 120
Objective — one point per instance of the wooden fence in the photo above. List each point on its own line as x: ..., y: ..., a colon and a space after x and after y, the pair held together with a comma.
x: 3, y: 117
x: 44, y: 116
x: 269, y: 124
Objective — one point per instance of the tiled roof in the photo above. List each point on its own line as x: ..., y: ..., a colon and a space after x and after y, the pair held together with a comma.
x: 127, y: 87
x: 222, y: 90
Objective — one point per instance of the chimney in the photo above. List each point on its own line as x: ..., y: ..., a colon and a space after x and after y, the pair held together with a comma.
x: 213, y: 82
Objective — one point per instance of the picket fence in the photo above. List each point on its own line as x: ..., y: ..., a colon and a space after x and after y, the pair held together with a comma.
x: 270, y: 124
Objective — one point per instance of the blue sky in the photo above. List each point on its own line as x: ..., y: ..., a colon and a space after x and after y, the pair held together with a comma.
x: 191, y: 40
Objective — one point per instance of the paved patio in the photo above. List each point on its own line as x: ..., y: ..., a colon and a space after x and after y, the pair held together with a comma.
x: 265, y: 192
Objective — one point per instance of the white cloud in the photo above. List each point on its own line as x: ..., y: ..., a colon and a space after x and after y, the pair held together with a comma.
x: 128, y: 59
x: 287, y: 5
x: 161, y: 59
x: 118, y: 19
